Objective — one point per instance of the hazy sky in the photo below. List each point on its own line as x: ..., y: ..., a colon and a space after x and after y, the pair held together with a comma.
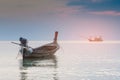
x: 74, y: 19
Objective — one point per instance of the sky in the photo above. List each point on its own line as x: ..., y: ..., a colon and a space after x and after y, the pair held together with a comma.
x: 73, y: 19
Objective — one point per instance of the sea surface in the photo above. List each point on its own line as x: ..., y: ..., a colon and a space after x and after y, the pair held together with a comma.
x: 73, y: 61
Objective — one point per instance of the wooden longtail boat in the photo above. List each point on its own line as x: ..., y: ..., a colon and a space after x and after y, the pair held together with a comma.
x: 45, y: 50
x: 42, y: 51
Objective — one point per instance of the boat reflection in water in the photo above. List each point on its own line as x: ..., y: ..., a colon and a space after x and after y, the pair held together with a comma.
x: 39, y: 68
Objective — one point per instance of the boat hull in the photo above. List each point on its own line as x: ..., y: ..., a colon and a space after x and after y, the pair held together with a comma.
x: 43, y: 51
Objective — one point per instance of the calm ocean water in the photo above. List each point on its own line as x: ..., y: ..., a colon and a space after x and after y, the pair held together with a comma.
x: 73, y: 61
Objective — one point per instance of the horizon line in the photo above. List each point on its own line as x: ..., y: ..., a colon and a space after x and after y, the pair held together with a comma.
x: 70, y: 41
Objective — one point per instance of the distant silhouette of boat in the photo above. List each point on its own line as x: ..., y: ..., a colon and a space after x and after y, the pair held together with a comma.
x: 95, y: 39
x: 42, y: 51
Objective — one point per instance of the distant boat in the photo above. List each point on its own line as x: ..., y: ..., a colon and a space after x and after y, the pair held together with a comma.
x: 42, y: 51
x: 95, y: 39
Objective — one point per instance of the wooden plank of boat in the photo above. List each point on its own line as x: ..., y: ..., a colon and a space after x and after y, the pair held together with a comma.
x: 45, y: 50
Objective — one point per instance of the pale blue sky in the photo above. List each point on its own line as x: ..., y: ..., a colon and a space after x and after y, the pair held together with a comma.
x: 39, y: 19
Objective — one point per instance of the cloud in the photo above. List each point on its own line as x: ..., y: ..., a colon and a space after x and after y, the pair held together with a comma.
x: 113, y: 13
x: 110, y: 7
x: 97, y: 0
x: 36, y: 9
x: 68, y: 11
x: 27, y: 8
